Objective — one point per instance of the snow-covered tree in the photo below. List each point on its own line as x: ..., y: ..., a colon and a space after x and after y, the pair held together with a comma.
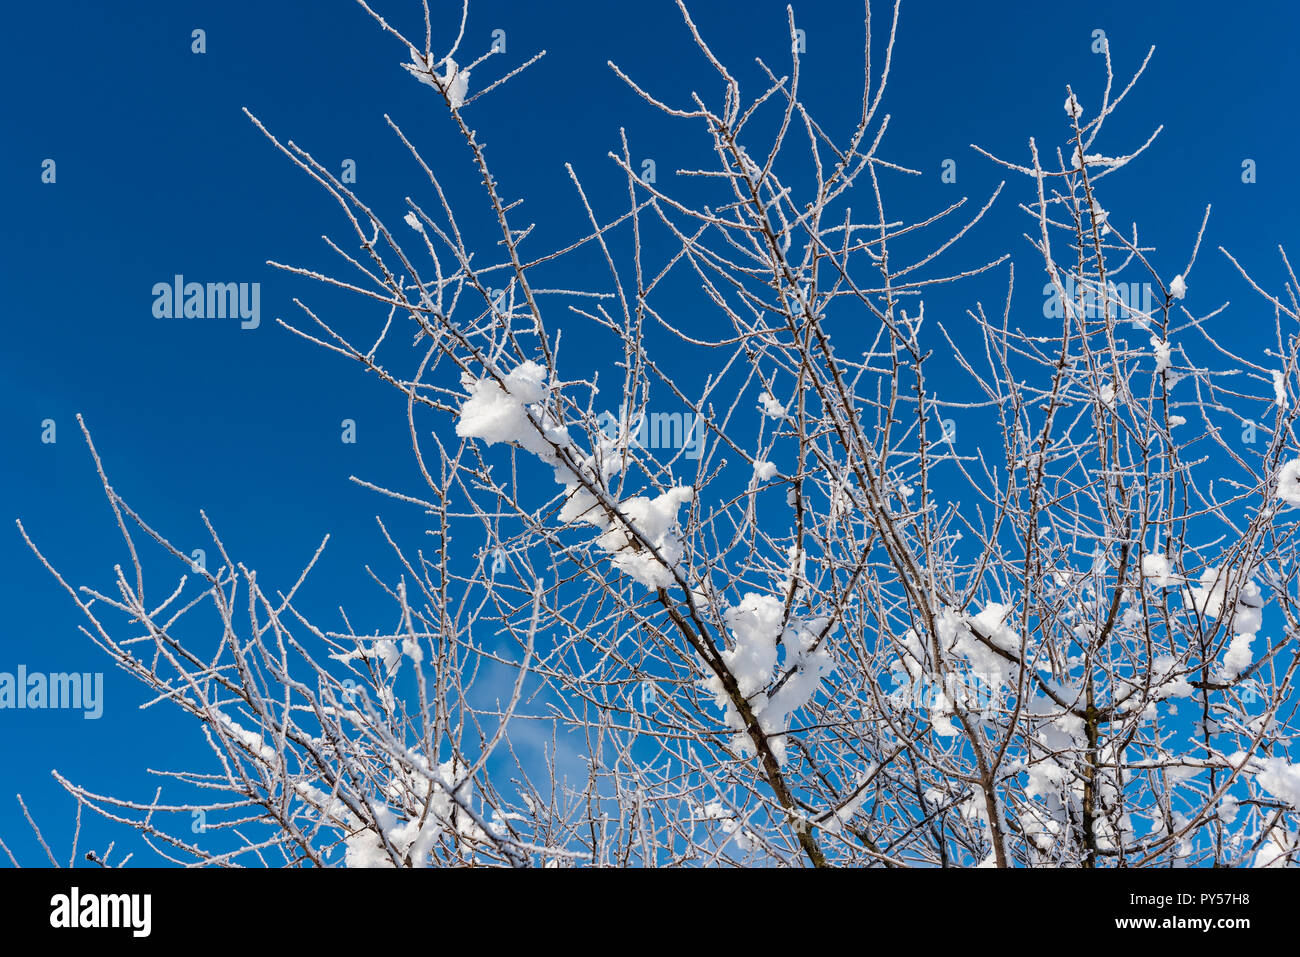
x: 815, y: 626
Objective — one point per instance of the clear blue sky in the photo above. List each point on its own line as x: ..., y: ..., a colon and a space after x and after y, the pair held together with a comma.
x: 159, y: 173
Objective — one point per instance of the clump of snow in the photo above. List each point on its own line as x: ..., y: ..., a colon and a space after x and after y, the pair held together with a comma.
x: 656, y: 520
x: 1288, y: 482
x: 457, y: 84
x: 1082, y: 159
x: 970, y: 684
x: 1155, y: 566
x: 514, y: 412
x: 1280, y: 778
x: 1238, y: 657
x: 1210, y: 594
x: 387, y: 652
x: 756, y: 625
x: 455, y: 81
x: 1279, y: 389
x: 1278, y: 850
x: 1161, y: 348
x: 1051, y: 778
x: 249, y: 739
x: 1247, y: 617
x: 1228, y: 809
x: 770, y: 407
x: 1072, y: 107
x: 991, y: 624
x: 1250, y: 609
x: 808, y: 661
x: 423, y: 68
x: 414, y: 222
x: 764, y: 471
x: 971, y: 637
x: 365, y: 848
x: 415, y: 808
x: 774, y: 694
x: 796, y: 570
x: 839, y: 817
x: 1178, y: 288
x: 728, y: 823
x: 495, y: 414
x: 1166, y: 684
x: 713, y: 811
x: 1045, y: 778
x: 383, y: 649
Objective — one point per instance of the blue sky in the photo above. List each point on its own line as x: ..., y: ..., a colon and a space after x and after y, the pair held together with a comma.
x: 158, y: 172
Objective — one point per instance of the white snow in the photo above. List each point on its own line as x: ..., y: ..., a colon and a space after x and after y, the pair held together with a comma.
x: 250, y: 739
x: 418, y: 812
x: 1209, y: 596
x: 494, y: 414
x: 455, y: 82
x: 1238, y: 657
x: 1161, y: 348
x: 1178, y: 288
x: 656, y: 519
x: 756, y: 625
x: 1164, y: 683
x: 1278, y: 850
x: 770, y: 407
x: 840, y: 817
x: 764, y: 471
x: 713, y: 811
x: 1228, y: 809
x: 1288, y: 482
x: 1280, y: 778
x: 411, y: 648
x: 387, y: 651
x: 1279, y: 389
x: 1155, y: 566
x: 990, y: 624
x: 1250, y: 609
x: 1095, y: 159
x: 1072, y: 107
